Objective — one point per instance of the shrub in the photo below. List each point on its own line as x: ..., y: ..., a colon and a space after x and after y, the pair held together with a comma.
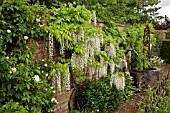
x: 24, y: 88
x: 165, y: 53
x: 24, y: 85
x: 168, y: 34
x: 156, y: 49
x: 99, y: 96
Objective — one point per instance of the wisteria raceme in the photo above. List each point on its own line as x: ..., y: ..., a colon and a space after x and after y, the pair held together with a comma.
x: 74, y: 37
x: 56, y: 81
x: 91, y: 72
x: 118, y: 81
x: 58, y: 75
x: 103, y: 70
x: 66, y: 80
x: 98, y: 73
x: 111, y: 51
x: 91, y: 46
x: 62, y: 45
x: 93, y: 14
x: 81, y: 35
x: 91, y: 69
x: 97, y: 43
x: 51, y: 45
x: 79, y: 61
x: 101, y: 39
x: 123, y: 63
x: 112, y: 68
x: 105, y: 66
x: 112, y: 80
x: 85, y: 57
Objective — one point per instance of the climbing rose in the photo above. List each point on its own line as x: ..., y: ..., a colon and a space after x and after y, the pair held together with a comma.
x: 45, y: 65
x: 26, y: 37
x: 14, y: 70
x: 8, y: 31
x: 37, y: 78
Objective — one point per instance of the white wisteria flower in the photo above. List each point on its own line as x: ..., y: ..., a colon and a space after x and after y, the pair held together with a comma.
x: 8, y: 31
x: 46, y: 74
x: 45, y: 65
x: 26, y: 37
x: 7, y: 57
x: 53, y: 100
x: 37, y: 78
x: 161, y: 61
x: 14, y: 70
x: 54, y: 91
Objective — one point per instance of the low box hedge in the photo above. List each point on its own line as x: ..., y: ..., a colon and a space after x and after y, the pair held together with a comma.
x: 165, y: 50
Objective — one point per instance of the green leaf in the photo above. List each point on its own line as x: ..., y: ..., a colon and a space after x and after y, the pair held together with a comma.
x: 9, y: 86
x: 28, y: 86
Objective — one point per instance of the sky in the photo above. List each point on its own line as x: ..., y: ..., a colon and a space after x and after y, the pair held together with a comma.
x: 165, y: 10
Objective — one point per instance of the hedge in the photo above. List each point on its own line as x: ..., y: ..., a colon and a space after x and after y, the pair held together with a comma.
x: 165, y: 50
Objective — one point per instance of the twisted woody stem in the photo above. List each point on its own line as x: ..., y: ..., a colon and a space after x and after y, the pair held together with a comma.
x: 146, y: 42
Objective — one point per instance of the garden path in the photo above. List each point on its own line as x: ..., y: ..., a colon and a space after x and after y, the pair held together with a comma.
x: 132, y: 105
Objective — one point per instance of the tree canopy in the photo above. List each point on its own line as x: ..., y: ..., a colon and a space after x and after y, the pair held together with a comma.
x: 119, y: 11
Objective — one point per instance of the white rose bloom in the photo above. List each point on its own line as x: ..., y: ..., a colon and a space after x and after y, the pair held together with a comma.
x: 46, y: 74
x: 45, y: 65
x: 37, y: 78
x: 10, y: 72
x: 37, y: 20
x: 7, y: 57
x: 8, y: 31
x: 14, y: 70
x: 26, y: 37
x: 53, y: 100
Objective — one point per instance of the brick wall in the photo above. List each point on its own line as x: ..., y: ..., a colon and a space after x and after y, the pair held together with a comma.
x: 62, y: 97
x: 64, y: 102
x: 163, y: 35
x: 40, y: 52
x: 66, y: 99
